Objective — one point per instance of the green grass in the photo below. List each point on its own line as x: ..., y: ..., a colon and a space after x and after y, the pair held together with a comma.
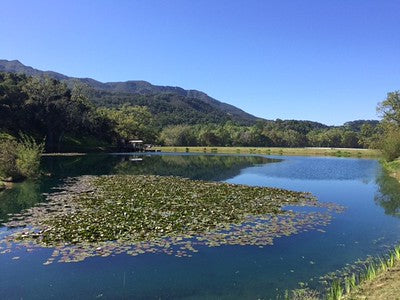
x: 350, y: 283
x: 346, y: 287
x: 335, y: 292
x: 393, y: 168
x: 343, y: 288
x: 342, y: 152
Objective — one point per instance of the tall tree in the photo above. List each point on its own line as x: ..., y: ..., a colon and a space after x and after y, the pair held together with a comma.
x: 389, y: 110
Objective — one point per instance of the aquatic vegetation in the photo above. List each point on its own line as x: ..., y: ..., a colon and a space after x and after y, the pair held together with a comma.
x: 108, y: 215
x: 335, y: 292
x: 350, y: 283
x: 370, y: 272
x: 302, y: 294
x: 342, y: 283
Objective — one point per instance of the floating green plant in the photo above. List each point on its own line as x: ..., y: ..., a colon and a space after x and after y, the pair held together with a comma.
x: 108, y: 215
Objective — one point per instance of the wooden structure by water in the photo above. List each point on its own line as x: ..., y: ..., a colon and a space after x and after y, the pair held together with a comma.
x: 136, y: 145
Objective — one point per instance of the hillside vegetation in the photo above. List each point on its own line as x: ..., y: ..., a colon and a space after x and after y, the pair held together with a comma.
x: 194, y: 104
x: 82, y: 114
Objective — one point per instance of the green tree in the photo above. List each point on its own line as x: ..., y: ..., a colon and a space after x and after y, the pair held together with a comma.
x: 132, y: 122
x: 390, y: 144
x: 179, y: 135
x: 389, y: 110
x: 349, y: 139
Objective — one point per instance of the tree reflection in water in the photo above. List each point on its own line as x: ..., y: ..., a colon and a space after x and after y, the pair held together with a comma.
x: 388, y: 196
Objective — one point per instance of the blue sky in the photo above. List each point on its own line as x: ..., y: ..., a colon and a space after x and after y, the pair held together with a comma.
x: 326, y: 61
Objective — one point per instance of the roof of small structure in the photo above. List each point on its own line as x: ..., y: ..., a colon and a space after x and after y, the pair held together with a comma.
x: 136, y: 141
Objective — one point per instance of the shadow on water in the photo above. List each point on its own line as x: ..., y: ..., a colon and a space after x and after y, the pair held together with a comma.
x: 26, y: 194
x: 21, y: 196
x: 388, y: 196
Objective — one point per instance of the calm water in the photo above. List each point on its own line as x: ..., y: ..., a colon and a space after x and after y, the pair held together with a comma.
x: 370, y: 224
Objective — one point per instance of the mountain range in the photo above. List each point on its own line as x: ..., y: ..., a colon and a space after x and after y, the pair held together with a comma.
x: 170, y: 105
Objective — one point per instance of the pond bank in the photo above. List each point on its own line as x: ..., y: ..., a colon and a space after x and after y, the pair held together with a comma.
x: 308, y: 151
x: 65, y: 154
x: 393, y: 168
x: 374, y: 278
x: 5, y: 185
x: 378, y: 279
x: 385, y: 286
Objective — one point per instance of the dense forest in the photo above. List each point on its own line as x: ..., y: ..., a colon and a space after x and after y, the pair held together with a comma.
x: 81, y: 118
x: 189, y: 106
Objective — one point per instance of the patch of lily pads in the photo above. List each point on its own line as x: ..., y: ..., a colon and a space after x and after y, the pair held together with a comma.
x: 109, y: 215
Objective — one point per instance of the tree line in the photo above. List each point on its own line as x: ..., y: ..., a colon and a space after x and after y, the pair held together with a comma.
x: 269, y: 134
x: 63, y: 118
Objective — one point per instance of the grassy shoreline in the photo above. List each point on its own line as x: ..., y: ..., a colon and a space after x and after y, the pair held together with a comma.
x: 64, y: 154
x: 380, y: 280
x: 393, y: 168
x: 339, y: 152
x: 384, y: 285
x: 374, y: 278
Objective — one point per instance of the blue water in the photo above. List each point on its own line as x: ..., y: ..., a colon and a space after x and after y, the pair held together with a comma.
x: 369, y: 225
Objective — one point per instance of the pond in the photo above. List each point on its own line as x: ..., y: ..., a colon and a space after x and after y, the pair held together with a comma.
x: 369, y: 225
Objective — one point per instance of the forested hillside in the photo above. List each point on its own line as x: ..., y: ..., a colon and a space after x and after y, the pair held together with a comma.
x: 167, y: 108
x: 85, y: 114
x: 161, y: 100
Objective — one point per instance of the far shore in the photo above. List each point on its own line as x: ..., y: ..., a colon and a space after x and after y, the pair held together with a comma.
x: 307, y: 151
x: 64, y: 154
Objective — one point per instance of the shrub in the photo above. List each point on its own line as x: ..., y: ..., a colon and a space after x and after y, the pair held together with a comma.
x: 391, y: 145
x: 19, y: 159
x: 28, y: 157
x: 8, y: 158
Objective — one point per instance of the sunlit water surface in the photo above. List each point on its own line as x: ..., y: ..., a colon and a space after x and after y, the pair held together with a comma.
x: 369, y: 226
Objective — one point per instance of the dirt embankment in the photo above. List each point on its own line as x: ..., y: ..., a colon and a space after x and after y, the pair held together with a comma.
x: 385, y: 286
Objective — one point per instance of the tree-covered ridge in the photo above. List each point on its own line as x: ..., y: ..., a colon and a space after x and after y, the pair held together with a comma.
x: 168, y: 108
x: 128, y: 91
x: 48, y: 109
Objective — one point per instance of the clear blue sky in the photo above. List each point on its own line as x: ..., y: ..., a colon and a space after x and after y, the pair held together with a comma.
x: 327, y: 61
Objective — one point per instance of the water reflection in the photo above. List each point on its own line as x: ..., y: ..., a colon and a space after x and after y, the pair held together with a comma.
x: 21, y: 196
x: 388, y: 196
x: 234, y: 272
x: 201, y: 167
